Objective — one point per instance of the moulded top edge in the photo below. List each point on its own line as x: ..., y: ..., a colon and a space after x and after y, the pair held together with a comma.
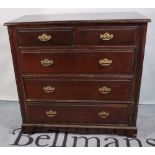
x: 117, y: 17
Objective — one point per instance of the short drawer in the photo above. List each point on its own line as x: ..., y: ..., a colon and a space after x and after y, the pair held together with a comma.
x: 77, y: 89
x: 44, y: 37
x: 112, y: 35
x: 90, y: 62
x: 98, y: 114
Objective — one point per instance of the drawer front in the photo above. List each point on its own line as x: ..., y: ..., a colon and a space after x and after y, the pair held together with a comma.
x: 113, y: 35
x: 77, y: 89
x: 44, y: 37
x: 78, y: 62
x: 102, y: 114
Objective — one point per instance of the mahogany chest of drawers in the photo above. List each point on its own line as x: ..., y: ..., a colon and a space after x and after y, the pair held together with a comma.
x: 79, y: 72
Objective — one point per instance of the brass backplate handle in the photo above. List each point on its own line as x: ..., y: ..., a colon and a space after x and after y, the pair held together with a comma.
x: 48, y: 89
x: 106, y: 36
x: 44, y: 37
x: 46, y: 62
x: 104, y: 90
x: 105, y: 62
x: 51, y: 113
x: 103, y: 114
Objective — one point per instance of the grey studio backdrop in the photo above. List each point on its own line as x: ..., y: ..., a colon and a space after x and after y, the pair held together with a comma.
x: 8, y: 90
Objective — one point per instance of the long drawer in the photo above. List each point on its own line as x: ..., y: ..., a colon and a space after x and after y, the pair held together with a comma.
x: 97, y: 114
x: 88, y: 61
x: 77, y: 89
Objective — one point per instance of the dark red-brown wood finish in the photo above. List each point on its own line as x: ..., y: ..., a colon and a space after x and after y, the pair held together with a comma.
x: 79, y: 73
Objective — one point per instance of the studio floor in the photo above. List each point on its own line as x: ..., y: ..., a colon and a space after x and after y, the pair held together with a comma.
x: 10, y: 135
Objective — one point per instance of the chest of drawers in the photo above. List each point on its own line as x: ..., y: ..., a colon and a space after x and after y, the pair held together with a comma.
x: 79, y: 73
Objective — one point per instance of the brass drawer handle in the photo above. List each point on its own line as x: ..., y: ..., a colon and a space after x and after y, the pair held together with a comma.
x: 105, y: 62
x: 48, y: 89
x: 46, y: 62
x: 103, y: 114
x: 51, y: 113
x: 44, y: 37
x: 104, y: 90
x: 106, y: 36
